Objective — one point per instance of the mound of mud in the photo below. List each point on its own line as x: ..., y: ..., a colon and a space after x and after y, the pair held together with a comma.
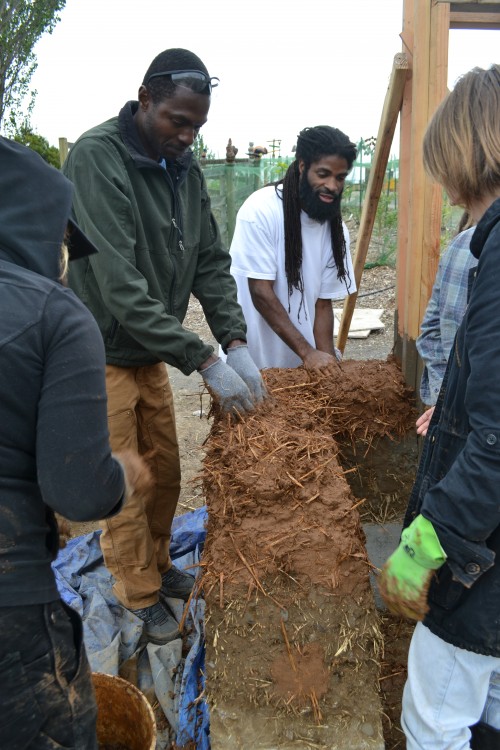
x: 291, y: 630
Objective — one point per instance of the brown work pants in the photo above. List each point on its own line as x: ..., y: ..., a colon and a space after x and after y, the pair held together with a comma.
x: 135, y: 543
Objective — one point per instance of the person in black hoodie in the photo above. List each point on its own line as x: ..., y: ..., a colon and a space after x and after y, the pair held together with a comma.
x: 54, y: 457
x: 445, y: 573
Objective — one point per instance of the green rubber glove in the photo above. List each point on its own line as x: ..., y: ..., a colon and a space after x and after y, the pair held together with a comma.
x: 406, y: 576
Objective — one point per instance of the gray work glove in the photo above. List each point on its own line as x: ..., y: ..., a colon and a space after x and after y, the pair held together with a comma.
x: 227, y: 387
x: 240, y: 360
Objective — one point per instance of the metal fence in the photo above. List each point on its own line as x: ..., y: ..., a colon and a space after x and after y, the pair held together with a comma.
x: 230, y: 184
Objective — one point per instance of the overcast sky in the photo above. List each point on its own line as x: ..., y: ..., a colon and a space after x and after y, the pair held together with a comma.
x: 282, y: 66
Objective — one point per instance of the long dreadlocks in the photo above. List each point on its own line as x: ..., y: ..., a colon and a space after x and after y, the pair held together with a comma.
x: 312, y: 145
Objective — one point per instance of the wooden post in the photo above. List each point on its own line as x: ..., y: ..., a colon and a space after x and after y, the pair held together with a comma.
x: 230, y: 202
x: 392, y: 106
x: 426, y: 25
x: 425, y: 36
x: 63, y: 150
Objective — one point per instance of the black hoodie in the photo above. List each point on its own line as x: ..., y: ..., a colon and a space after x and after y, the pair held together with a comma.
x: 54, y: 446
x: 35, y: 211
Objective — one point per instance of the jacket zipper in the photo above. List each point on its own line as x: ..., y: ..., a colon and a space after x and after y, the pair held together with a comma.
x: 181, y: 246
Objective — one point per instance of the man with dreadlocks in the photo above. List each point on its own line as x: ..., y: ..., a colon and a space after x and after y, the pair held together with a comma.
x: 290, y: 256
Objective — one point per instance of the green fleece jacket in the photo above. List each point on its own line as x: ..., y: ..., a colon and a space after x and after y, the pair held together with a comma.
x: 158, y: 244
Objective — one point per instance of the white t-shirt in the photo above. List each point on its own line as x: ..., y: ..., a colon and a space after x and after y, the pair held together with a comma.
x: 258, y: 252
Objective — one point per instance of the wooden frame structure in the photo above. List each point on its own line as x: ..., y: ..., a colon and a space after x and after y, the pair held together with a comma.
x: 419, y: 87
x: 478, y: 14
x: 425, y: 38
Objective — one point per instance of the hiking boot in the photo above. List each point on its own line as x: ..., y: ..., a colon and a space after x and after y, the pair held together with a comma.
x: 161, y: 627
x: 176, y: 584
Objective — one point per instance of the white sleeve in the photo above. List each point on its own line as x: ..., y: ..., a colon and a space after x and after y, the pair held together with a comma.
x: 254, y: 251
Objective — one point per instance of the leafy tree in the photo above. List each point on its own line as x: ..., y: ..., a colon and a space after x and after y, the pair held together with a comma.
x: 38, y: 143
x: 22, y: 23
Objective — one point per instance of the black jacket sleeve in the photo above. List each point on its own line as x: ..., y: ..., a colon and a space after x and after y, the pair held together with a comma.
x: 77, y: 475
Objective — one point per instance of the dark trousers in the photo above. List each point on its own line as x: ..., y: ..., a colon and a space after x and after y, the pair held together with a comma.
x: 46, y: 695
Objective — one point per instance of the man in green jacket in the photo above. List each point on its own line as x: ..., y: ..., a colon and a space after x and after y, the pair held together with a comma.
x: 141, y: 198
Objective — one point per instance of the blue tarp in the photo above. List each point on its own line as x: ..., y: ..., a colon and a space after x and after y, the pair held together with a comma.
x: 114, y: 638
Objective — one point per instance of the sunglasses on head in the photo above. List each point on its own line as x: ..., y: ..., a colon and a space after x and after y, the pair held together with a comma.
x: 195, y: 80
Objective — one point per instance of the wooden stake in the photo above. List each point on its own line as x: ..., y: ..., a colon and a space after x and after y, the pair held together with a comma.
x: 390, y: 112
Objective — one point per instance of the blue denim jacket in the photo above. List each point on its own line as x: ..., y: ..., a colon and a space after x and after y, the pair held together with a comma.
x: 458, y: 480
x: 444, y: 313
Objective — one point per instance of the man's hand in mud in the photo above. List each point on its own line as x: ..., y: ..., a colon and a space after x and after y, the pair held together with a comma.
x: 321, y: 363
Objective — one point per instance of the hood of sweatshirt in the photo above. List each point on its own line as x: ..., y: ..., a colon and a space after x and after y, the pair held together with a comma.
x: 35, y: 206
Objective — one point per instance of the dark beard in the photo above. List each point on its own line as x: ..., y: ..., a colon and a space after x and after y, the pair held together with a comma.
x: 313, y: 206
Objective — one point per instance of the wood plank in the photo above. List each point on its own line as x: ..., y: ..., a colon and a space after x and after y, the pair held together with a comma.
x: 438, y: 67
x: 470, y: 4
x: 364, y: 321
x: 419, y: 228
x: 63, y: 150
x: 473, y: 14
x: 487, y: 21
x: 390, y: 113
x: 407, y: 38
x: 419, y: 119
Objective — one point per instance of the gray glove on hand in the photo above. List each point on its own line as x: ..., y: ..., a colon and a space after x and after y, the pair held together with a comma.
x: 240, y: 360
x: 227, y: 387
